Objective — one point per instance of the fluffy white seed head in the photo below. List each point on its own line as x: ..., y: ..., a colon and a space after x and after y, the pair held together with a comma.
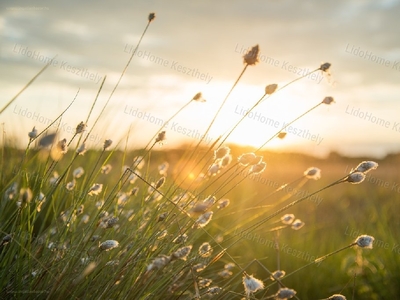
x: 205, y: 250
x: 355, y: 178
x: 223, y: 203
x: 108, y: 245
x: 161, y: 137
x: 285, y: 293
x: 297, y: 224
x: 33, y: 133
x: 278, y: 274
x: 246, y: 159
x: 251, y: 284
x: 78, y: 172
x: 82, y: 149
x: 221, y: 152
x: 159, y: 263
x: 366, y: 166
x: 313, y: 173
x: 203, y: 220
x: 107, y: 143
x: 287, y: 219
x: 95, y: 189
x: 337, y: 297
x: 258, y: 168
x: 181, y: 253
x: 80, y: 128
x: 365, y: 241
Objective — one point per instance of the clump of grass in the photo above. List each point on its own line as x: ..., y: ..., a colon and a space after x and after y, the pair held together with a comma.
x: 92, y: 232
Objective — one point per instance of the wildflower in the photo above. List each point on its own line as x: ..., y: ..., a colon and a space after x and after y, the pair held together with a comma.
x: 80, y: 128
x: 33, y: 133
x: 78, y: 172
x: 328, y: 100
x: 107, y: 143
x: 355, y: 178
x: 337, y: 297
x: 181, y: 253
x: 106, y: 169
x: 258, y: 168
x: 246, y: 158
x: 203, y: 220
x: 278, y: 274
x: 70, y: 185
x: 251, y: 57
x: 365, y: 241
x: 366, y: 166
x: 108, y: 245
x: 282, y: 135
x: 251, y: 284
x: 225, y: 273
x: 180, y: 239
x: 204, y: 282
x: 223, y: 203
x: 313, y: 173
x: 95, y: 189
x: 270, y: 89
x: 287, y: 219
x: 161, y: 137
x: 199, y: 267
x: 214, y: 290
x: 205, y: 250
x: 160, y: 182
x: 297, y: 224
x: 151, y: 17
x: 325, y: 67
x: 163, y: 168
x: 82, y: 149
x: 159, y: 263
x: 226, y: 160
x: 285, y: 293
x: 199, y: 98
x: 221, y: 152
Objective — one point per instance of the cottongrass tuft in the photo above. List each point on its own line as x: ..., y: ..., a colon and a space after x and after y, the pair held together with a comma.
x: 287, y: 219
x: 337, y: 297
x: 204, y: 282
x: 159, y: 263
x: 180, y: 239
x: 33, y: 133
x: 246, y: 158
x: 107, y: 143
x: 366, y: 166
x: 355, y: 178
x: 6, y: 239
x: 205, y: 250
x: 78, y: 172
x: 82, y: 149
x: 251, y: 284
x: 182, y: 253
x: 278, y: 274
x: 328, y: 100
x: 226, y: 160
x: 80, y: 128
x: 251, y: 57
x: 325, y: 67
x: 313, y: 173
x: 223, y: 203
x: 106, y: 169
x: 258, y: 168
x: 160, y: 137
x: 163, y: 168
x: 365, y: 241
x: 221, y: 152
x: 108, y: 245
x: 203, y: 220
x: 214, y: 290
x: 285, y: 293
x: 151, y: 17
x: 271, y: 88
x: 160, y: 183
x: 95, y: 189
x: 199, y: 97
x: 225, y: 273
x: 297, y: 224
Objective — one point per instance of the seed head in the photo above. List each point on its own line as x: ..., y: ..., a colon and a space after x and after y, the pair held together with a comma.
x: 159, y: 263
x: 282, y: 135
x: 258, y: 168
x: 163, y: 168
x: 205, y: 250
x: 95, y: 189
x: 297, y: 224
x: 204, y: 282
x: 328, y: 100
x: 160, y: 182
x: 78, y: 172
x: 365, y: 241
x: 161, y: 137
x: 270, y: 89
x: 80, y: 128
x: 199, y: 98
x: 223, y: 203
x: 199, y: 267
x: 229, y: 266
x: 355, y: 178
x: 251, y: 57
x: 225, y: 273
x: 62, y: 146
x: 82, y: 149
x: 33, y: 133
x: 70, y: 185
x: 251, y: 284
x: 221, y: 152
x: 214, y: 290
x: 325, y: 67
x: 26, y: 195
x: 246, y: 158
x: 313, y: 173
x: 214, y: 169
x: 287, y: 219
x: 107, y: 143
x: 226, y: 160
x: 203, y: 220
x: 285, y: 293
x: 337, y: 297
x: 180, y: 239
x: 151, y: 17
x: 108, y: 245
x: 366, y: 166
x: 6, y: 239
x: 106, y: 169
x: 111, y: 222
x: 278, y: 274
x: 181, y: 253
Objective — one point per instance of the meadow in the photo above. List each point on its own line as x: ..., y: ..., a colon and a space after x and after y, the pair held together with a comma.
x: 195, y: 222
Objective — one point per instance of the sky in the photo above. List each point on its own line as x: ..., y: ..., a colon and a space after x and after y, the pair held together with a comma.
x: 198, y: 46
